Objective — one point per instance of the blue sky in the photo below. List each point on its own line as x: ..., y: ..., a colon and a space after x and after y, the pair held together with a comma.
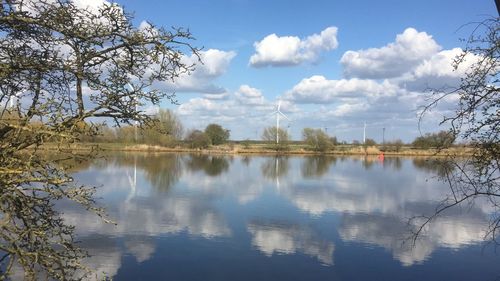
x: 334, y: 64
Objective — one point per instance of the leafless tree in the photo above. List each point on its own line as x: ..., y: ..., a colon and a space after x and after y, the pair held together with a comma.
x: 476, y: 120
x: 60, y: 65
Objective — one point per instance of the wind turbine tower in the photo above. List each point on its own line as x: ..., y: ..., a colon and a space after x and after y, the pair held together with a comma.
x: 136, y: 122
x: 364, y: 134
x: 278, y: 113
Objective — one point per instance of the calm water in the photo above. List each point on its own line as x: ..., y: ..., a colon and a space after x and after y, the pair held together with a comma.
x: 187, y: 217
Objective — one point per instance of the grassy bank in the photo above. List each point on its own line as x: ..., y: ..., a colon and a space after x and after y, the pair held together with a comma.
x: 265, y: 148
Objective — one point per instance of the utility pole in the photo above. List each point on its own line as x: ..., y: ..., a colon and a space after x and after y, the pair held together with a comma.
x: 383, y: 136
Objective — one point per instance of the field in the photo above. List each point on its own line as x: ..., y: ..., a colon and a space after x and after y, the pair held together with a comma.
x: 256, y: 147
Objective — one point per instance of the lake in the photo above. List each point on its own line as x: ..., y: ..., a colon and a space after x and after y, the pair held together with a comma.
x: 201, y: 217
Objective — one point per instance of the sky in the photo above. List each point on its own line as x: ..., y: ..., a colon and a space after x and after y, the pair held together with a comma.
x: 333, y: 65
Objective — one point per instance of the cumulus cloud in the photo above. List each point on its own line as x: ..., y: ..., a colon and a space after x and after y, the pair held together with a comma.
x: 245, y: 112
x: 214, y: 63
x: 384, y: 84
x: 250, y: 96
x: 409, y: 50
x: 203, y: 107
x: 351, y: 101
x: 438, y: 72
x: 245, y: 101
x: 317, y: 89
x: 221, y: 96
x: 274, y: 50
x: 93, y: 5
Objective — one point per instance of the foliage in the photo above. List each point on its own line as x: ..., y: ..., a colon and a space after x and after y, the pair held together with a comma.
x: 104, y: 134
x: 217, y: 134
x: 476, y: 120
x: 269, y: 135
x: 370, y: 142
x: 395, y: 145
x: 334, y: 140
x: 61, y: 65
x: 169, y: 123
x: 126, y: 134
x: 164, y: 129
x: 246, y: 144
x: 442, y: 139
x: 198, y: 139
x: 316, y: 139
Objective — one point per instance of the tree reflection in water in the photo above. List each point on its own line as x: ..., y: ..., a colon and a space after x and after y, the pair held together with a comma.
x: 246, y: 160
x: 394, y: 163
x: 316, y: 166
x: 160, y: 169
x: 210, y: 164
x: 275, y: 167
x: 241, y: 211
x: 439, y: 166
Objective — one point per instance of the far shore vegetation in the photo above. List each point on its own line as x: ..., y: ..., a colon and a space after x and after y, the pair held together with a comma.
x: 165, y: 133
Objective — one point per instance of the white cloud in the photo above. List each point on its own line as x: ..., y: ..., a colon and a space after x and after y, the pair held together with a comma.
x: 384, y: 85
x: 291, y: 50
x: 202, y: 107
x: 245, y: 102
x: 319, y: 90
x: 438, y: 72
x: 222, y: 96
x: 348, y: 109
x: 92, y: 5
x: 249, y: 96
x: 409, y: 50
x: 214, y: 63
x: 245, y: 112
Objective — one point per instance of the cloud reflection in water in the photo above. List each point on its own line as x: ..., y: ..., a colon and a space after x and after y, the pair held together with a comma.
x: 194, y: 196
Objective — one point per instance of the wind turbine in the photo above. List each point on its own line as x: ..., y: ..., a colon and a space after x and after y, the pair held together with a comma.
x: 136, y: 123
x: 132, y: 181
x: 12, y: 99
x: 278, y: 113
x: 364, y: 133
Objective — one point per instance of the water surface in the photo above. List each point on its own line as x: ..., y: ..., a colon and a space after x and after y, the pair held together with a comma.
x: 196, y: 217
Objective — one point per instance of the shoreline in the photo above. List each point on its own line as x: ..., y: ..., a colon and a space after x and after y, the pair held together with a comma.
x: 237, y: 149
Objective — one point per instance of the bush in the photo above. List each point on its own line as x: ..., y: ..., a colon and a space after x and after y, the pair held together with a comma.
x: 370, y: 142
x: 217, y: 134
x: 442, y: 139
x: 269, y: 135
x: 198, y: 139
x: 394, y: 145
x: 316, y: 139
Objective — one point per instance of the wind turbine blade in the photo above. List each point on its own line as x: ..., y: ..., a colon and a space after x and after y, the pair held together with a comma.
x: 282, y: 114
x: 279, y: 105
x: 131, y: 87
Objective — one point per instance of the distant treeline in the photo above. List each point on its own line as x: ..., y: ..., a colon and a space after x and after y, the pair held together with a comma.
x: 166, y: 129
